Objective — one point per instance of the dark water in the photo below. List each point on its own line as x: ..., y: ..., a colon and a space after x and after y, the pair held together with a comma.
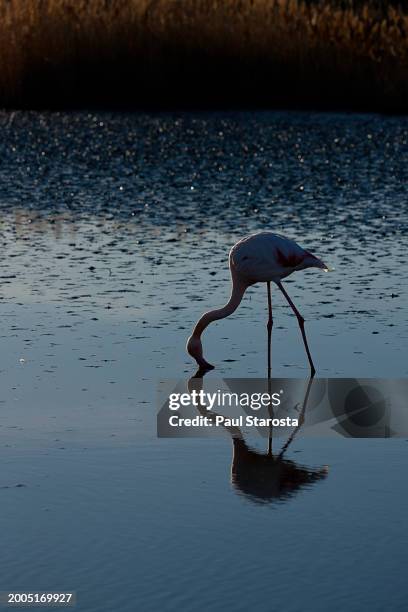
x: 115, y: 231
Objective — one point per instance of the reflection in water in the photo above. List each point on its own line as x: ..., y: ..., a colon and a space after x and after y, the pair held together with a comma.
x: 264, y: 477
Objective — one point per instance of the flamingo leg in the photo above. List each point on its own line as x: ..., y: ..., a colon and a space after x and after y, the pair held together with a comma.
x: 301, y: 322
x: 269, y: 327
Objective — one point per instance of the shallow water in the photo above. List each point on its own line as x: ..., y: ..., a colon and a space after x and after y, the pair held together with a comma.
x: 115, y: 233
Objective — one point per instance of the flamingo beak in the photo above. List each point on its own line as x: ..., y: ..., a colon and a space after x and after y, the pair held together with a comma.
x: 195, y: 349
x: 204, y: 366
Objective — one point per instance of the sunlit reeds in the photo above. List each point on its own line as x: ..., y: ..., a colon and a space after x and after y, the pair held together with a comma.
x: 136, y: 52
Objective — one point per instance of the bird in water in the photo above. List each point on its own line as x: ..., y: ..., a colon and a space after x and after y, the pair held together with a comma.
x: 263, y: 257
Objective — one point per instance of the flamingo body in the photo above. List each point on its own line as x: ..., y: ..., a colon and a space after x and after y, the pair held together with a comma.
x: 265, y: 256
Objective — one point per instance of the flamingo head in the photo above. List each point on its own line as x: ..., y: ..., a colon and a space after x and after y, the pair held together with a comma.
x: 195, y: 349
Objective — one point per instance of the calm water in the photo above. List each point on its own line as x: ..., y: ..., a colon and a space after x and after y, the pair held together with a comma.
x: 115, y: 231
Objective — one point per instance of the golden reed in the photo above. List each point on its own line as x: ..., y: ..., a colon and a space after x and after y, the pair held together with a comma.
x: 73, y: 51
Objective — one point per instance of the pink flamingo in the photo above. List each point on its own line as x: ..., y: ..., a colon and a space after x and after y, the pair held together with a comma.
x: 258, y: 258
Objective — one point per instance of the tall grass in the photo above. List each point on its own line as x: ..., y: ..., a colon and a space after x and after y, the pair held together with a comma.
x: 196, y: 52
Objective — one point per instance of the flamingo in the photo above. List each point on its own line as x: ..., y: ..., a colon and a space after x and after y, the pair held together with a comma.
x: 257, y: 258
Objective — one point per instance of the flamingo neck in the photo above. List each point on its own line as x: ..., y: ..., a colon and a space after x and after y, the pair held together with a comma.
x: 237, y: 293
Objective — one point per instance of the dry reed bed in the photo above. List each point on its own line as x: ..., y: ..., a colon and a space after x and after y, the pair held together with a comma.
x: 70, y: 52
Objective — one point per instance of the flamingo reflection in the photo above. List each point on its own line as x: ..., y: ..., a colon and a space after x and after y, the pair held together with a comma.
x: 265, y: 477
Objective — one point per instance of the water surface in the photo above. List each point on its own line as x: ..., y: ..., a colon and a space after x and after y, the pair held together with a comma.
x: 115, y: 233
